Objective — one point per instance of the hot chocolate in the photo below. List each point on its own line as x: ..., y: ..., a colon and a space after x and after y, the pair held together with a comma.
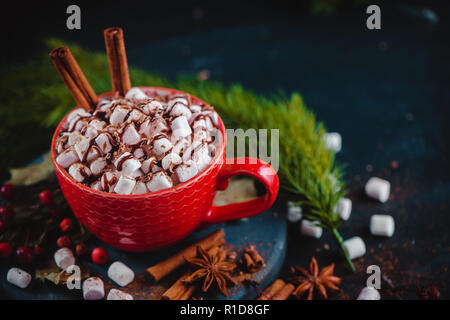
x: 139, y: 143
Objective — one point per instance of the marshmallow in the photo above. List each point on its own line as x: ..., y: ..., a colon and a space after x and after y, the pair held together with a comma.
x: 140, y: 188
x: 161, y: 146
x: 115, y: 294
x: 176, y: 100
x: 180, y: 127
x: 64, y: 258
x: 159, y: 181
x: 82, y: 147
x: 139, y: 153
x: 201, y: 157
x: 186, y: 171
x: 91, y: 132
x: 369, y: 293
x: 181, y: 146
x: 119, y: 114
x: 130, y: 166
x: 67, y: 158
x: 103, y: 142
x: 136, y: 115
x: 136, y: 173
x: 333, y: 141
x: 96, y: 185
x: 378, y: 189
x: 157, y: 126
x: 109, y: 181
x: 180, y: 109
x: 171, y: 159
x: 18, y: 277
x: 294, y: 213
x: 382, y: 225
x: 130, y: 135
x: 310, y: 229
x: 125, y: 185
x: 153, y: 106
x: 97, y: 166
x: 195, y: 108
x: 74, y: 137
x: 78, y: 113
x: 136, y: 93
x: 93, y: 289
x: 147, y: 164
x: 120, y: 273
x: 355, y: 247
x: 79, y: 172
x: 93, y: 153
x: 344, y: 208
x: 97, y: 124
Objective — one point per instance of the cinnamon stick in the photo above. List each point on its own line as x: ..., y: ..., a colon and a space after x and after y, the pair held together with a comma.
x: 271, y: 290
x: 117, y: 58
x: 72, y: 76
x: 284, y: 292
x: 162, y: 269
x: 252, y: 260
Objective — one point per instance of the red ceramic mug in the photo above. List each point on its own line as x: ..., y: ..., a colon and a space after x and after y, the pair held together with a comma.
x: 155, y: 220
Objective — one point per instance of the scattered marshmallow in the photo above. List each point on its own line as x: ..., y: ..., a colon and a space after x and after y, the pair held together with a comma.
x: 64, y: 258
x: 345, y: 208
x: 311, y: 229
x: 369, y: 293
x: 18, y: 277
x: 382, y: 225
x: 93, y: 289
x: 159, y: 181
x: 355, y: 247
x: 333, y: 141
x: 294, y: 213
x: 136, y: 93
x: 79, y: 172
x: 378, y: 189
x: 115, y: 294
x: 120, y: 273
x: 125, y: 185
x: 186, y: 171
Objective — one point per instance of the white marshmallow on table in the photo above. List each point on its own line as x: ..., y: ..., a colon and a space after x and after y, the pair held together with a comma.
x: 186, y: 171
x: 294, y: 213
x: 18, y: 277
x: 180, y: 109
x: 311, y: 229
x: 161, y: 146
x: 201, y: 157
x: 159, y: 181
x: 170, y: 159
x: 378, y: 189
x: 130, y: 135
x: 120, y: 273
x: 140, y: 188
x: 355, y: 247
x: 64, y: 258
x: 333, y: 141
x: 67, y: 158
x: 382, y: 225
x: 369, y: 293
x: 93, y: 289
x: 125, y: 185
x: 119, y: 114
x: 136, y: 93
x: 79, y: 172
x: 344, y: 208
x: 180, y: 127
x: 97, y: 166
x: 103, y: 142
x: 115, y: 294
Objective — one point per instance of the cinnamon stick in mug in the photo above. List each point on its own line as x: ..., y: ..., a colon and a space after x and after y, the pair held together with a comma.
x: 74, y: 79
x: 117, y: 58
x: 162, y: 269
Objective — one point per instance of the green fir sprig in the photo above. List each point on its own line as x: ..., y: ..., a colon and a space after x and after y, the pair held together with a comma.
x: 307, y: 169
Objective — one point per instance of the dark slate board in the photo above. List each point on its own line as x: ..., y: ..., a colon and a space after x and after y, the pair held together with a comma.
x: 267, y: 231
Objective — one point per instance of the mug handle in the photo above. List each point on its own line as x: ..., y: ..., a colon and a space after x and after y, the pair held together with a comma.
x: 252, y: 167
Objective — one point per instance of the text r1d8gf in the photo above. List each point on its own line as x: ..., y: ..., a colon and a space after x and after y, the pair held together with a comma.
x: 258, y: 309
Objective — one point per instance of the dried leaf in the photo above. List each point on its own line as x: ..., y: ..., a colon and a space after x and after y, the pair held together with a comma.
x: 51, y: 272
x: 32, y: 174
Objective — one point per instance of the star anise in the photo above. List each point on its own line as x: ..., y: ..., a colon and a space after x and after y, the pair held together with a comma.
x: 212, y: 269
x: 313, y: 280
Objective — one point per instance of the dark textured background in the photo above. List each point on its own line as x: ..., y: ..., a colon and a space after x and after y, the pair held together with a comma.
x: 386, y: 91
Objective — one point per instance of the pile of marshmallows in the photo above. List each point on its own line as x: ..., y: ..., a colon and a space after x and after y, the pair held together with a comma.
x: 380, y: 225
x: 137, y: 144
x: 93, y: 288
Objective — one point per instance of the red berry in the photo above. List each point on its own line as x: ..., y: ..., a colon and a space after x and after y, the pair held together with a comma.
x: 7, y: 191
x: 64, y: 242
x: 24, y: 255
x: 46, y: 197
x: 38, y: 251
x: 66, y: 225
x: 5, y: 250
x: 99, y: 255
x: 6, y: 214
x: 81, y: 249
